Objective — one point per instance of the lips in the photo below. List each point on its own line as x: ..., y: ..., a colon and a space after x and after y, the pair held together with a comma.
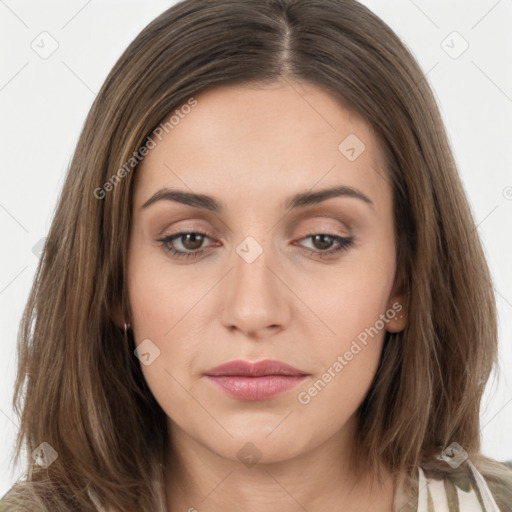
x: 257, y: 369
x: 263, y: 380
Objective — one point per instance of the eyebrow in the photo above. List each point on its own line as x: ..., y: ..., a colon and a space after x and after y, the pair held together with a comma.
x: 300, y: 200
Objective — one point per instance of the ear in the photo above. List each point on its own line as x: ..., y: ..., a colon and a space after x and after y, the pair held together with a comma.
x: 397, y: 303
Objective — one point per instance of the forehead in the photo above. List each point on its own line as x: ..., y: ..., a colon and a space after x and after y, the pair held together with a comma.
x: 275, y: 139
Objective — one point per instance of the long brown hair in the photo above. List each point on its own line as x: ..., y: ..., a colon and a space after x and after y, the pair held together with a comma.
x: 80, y: 388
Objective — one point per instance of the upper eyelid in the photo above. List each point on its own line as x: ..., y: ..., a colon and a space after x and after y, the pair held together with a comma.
x: 315, y: 214
x: 341, y: 224
x: 311, y: 232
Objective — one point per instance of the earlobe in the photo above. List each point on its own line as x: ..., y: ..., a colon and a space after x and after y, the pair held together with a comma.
x: 397, y: 306
x: 397, y: 322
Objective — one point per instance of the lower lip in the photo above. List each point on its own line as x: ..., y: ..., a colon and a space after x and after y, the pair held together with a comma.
x: 256, y: 388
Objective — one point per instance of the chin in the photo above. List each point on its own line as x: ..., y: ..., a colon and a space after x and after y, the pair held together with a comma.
x: 260, y: 447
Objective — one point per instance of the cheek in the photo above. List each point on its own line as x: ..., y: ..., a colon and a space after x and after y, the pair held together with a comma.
x: 351, y: 297
x: 351, y: 302
x: 160, y: 304
x: 162, y: 310
x: 158, y: 297
x: 348, y: 359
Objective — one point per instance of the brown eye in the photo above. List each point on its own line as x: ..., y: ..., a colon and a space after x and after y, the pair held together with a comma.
x: 323, y: 243
x: 191, y: 243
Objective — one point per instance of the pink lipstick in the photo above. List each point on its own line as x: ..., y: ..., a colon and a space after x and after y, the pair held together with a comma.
x: 255, y: 381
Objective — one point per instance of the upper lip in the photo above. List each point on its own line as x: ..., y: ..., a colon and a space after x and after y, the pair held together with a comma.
x: 254, y: 369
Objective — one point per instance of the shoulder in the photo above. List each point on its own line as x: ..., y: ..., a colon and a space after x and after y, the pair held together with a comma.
x: 485, y: 486
x: 31, y: 496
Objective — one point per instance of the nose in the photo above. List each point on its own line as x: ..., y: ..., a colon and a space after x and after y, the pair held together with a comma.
x: 255, y: 296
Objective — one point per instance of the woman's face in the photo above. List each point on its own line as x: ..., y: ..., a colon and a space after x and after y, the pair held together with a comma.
x: 255, y: 282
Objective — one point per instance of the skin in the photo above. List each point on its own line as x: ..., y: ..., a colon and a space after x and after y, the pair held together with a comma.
x: 252, y: 148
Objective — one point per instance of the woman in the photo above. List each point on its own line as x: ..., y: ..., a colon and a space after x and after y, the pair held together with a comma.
x: 262, y: 282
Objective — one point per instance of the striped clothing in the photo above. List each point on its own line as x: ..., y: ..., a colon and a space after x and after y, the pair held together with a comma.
x: 462, y: 496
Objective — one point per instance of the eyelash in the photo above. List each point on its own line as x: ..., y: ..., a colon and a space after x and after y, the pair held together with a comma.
x: 345, y: 243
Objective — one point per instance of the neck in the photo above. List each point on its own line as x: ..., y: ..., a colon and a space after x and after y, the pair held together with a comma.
x: 198, y: 478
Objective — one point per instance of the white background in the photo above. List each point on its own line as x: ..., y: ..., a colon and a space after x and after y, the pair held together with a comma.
x: 44, y: 102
